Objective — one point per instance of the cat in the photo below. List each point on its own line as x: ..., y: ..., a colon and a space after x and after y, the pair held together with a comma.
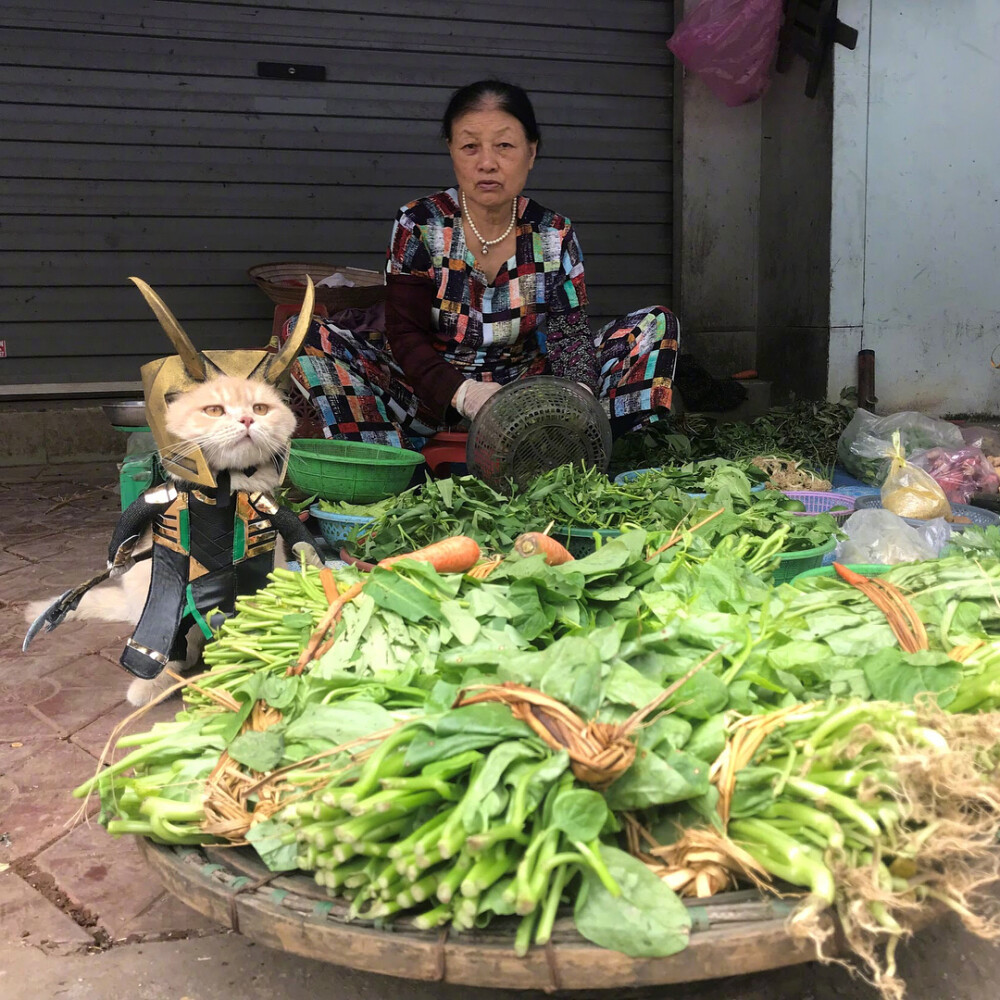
x: 243, y: 427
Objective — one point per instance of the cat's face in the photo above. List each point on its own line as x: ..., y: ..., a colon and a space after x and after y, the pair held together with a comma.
x: 236, y: 422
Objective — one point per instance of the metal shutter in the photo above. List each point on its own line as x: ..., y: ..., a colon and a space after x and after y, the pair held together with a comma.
x: 138, y: 139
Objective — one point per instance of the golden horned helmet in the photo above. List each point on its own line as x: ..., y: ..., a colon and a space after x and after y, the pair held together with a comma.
x: 166, y: 377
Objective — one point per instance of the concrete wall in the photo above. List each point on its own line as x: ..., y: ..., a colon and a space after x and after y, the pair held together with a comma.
x: 754, y: 238
x: 720, y: 203
x: 793, y: 299
x: 916, y: 182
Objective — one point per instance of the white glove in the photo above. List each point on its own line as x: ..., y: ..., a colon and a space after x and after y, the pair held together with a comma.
x: 306, y: 554
x: 470, y: 396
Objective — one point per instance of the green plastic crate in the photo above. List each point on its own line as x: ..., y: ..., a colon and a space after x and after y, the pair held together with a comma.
x: 865, y: 569
x: 138, y: 474
x: 794, y: 563
x: 350, y: 470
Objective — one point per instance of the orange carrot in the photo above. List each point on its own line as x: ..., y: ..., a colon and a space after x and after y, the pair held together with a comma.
x: 534, y: 542
x: 457, y: 554
x: 848, y: 575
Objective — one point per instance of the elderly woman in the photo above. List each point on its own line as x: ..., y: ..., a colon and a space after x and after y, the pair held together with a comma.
x: 484, y: 286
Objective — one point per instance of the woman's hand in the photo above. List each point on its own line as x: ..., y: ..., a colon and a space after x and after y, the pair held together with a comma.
x: 471, y: 395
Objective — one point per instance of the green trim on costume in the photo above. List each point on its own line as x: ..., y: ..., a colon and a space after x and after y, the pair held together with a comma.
x: 239, y: 539
x: 184, y: 528
x: 198, y: 617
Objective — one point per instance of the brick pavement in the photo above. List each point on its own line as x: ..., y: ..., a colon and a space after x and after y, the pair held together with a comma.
x: 64, y: 884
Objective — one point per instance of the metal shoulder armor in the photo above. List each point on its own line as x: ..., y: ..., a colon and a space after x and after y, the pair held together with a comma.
x: 164, y: 493
x: 264, y: 503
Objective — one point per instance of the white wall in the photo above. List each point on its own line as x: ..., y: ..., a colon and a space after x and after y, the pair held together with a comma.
x: 916, y: 203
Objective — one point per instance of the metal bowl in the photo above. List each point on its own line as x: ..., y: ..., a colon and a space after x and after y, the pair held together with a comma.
x: 127, y: 413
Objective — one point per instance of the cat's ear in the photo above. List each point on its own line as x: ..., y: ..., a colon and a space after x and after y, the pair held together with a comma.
x: 193, y: 361
x: 278, y: 364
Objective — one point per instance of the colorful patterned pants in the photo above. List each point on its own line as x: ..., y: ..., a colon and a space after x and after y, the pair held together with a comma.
x: 350, y: 387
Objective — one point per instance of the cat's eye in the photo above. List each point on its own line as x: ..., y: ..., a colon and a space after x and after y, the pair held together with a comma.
x: 260, y: 408
x: 214, y: 410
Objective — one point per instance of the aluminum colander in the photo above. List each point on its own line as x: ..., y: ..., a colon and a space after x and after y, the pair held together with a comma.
x: 534, y: 424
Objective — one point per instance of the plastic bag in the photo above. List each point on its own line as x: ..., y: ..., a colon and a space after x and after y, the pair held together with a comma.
x: 875, y: 535
x: 910, y: 491
x: 959, y: 472
x: 867, y: 440
x: 730, y: 44
x: 987, y: 439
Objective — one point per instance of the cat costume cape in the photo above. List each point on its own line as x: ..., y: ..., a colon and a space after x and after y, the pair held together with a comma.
x: 210, y: 542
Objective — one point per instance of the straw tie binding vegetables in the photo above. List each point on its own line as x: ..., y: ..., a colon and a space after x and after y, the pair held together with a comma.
x: 877, y: 808
x: 600, y: 752
x: 899, y: 613
x: 451, y: 555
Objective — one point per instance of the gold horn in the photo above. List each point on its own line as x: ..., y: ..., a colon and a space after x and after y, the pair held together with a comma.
x: 193, y: 361
x: 281, y: 361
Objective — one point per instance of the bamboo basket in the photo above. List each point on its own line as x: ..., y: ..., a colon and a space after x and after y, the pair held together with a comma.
x: 284, y: 284
x: 733, y: 933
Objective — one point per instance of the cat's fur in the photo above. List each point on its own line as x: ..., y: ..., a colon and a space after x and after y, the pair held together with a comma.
x: 234, y: 440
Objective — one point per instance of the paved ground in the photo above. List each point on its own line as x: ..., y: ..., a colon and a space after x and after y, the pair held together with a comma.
x: 80, y: 916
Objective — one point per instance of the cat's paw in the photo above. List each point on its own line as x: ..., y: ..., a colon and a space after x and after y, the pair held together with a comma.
x: 306, y: 553
x: 142, y: 692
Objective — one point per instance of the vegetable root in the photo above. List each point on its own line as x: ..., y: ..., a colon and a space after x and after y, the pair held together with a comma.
x: 329, y: 620
x: 535, y: 543
x: 451, y: 555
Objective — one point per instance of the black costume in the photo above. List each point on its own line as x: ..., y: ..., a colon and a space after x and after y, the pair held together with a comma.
x: 210, y: 544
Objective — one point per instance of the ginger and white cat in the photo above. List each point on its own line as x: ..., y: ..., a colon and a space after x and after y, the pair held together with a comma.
x: 239, y: 425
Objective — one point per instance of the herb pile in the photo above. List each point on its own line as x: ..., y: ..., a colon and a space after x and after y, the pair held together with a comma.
x: 805, y: 431
x: 584, y: 498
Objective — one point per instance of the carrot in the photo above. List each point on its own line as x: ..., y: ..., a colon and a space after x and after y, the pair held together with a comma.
x: 534, y: 542
x: 848, y: 575
x: 457, y: 554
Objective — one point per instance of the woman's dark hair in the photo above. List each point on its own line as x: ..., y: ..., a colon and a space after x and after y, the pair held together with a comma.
x: 487, y: 94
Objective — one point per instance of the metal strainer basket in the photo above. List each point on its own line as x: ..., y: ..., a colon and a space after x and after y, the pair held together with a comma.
x: 533, y: 425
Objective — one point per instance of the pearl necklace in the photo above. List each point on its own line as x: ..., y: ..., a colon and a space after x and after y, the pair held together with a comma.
x: 479, y: 236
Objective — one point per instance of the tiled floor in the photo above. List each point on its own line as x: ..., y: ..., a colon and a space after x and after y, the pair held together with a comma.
x: 64, y: 883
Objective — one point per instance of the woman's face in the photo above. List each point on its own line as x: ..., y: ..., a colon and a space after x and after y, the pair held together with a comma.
x: 491, y: 156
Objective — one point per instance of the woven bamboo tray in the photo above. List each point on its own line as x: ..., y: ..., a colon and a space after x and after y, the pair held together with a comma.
x: 733, y: 934
x: 283, y: 283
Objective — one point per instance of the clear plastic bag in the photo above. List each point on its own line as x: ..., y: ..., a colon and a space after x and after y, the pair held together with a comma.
x: 960, y: 472
x: 731, y: 45
x: 987, y: 439
x: 867, y: 439
x: 909, y: 491
x: 875, y: 535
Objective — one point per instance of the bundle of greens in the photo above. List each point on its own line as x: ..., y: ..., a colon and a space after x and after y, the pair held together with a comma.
x: 570, y: 496
x: 362, y: 772
x: 804, y: 431
x: 876, y: 808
